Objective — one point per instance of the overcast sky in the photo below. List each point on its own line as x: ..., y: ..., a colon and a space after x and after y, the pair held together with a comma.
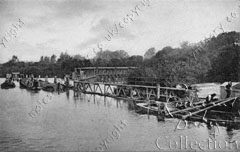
x: 76, y: 26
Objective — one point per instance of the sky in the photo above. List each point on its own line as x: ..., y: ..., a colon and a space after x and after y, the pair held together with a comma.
x: 49, y: 27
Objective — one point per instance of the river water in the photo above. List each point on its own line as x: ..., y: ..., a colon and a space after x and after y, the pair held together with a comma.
x: 90, y: 123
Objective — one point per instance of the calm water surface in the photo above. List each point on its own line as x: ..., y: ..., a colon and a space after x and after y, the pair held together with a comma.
x: 67, y: 123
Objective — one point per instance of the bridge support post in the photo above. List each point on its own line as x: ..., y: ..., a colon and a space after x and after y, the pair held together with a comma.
x: 94, y: 88
x: 158, y: 91
x: 147, y: 93
x: 104, y: 89
x: 131, y: 92
x: 84, y: 87
x: 75, y: 85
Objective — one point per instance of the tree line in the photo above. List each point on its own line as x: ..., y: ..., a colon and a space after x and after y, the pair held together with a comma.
x: 212, y: 60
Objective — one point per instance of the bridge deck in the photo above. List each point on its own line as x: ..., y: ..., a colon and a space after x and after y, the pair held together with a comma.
x: 134, y: 92
x: 112, y: 81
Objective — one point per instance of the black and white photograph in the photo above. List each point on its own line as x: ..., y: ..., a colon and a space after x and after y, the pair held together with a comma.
x: 120, y: 75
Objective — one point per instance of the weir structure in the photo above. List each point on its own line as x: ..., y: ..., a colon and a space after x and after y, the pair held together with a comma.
x: 114, y: 82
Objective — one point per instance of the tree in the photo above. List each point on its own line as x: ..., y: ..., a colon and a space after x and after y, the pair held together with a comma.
x: 53, y: 58
x: 135, y: 60
x: 121, y: 54
x: 184, y: 44
x: 78, y: 57
x: 42, y: 59
x: 225, y: 67
x: 64, y: 57
x: 46, y: 60
x: 108, y: 55
x: 150, y: 53
x: 14, y: 59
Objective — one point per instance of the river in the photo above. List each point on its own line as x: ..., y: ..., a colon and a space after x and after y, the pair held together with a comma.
x: 90, y: 123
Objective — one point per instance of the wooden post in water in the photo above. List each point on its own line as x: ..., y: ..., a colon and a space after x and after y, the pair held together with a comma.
x: 158, y: 91
x: 147, y: 93
x: 83, y: 84
x: 94, y: 88
x: 104, y: 89
x: 131, y: 92
x: 74, y: 84
x: 94, y: 73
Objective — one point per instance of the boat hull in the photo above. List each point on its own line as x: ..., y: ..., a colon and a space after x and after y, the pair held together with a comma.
x: 8, y: 85
x: 27, y: 84
x: 51, y: 87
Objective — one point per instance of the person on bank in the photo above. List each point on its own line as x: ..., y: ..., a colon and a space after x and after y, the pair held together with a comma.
x: 228, y: 89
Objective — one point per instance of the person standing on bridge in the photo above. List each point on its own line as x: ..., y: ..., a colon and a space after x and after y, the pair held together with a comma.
x: 55, y: 80
x: 46, y: 78
x: 66, y: 79
x: 228, y: 89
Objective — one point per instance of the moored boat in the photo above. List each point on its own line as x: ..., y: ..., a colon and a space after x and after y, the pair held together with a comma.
x: 51, y: 87
x: 30, y: 84
x: 8, y: 84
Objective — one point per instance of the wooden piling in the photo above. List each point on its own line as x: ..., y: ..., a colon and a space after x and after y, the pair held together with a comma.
x: 104, y: 89
x: 131, y: 93
x: 158, y: 91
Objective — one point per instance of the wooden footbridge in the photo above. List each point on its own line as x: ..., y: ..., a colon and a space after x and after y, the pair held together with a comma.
x: 112, y: 82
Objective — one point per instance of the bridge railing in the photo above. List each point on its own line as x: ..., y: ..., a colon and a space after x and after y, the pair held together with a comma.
x: 137, y: 91
x: 102, y: 72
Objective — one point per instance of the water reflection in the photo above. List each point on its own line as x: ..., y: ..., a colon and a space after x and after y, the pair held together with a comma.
x: 131, y: 105
x: 74, y: 120
x: 230, y: 140
x: 67, y: 94
x: 213, y: 130
x: 230, y: 134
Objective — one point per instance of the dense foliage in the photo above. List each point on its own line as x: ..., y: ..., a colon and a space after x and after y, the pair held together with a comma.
x: 213, y: 60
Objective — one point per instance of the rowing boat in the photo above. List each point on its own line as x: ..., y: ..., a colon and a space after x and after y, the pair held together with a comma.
x: 8, y: 85
x: 30, y: 84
